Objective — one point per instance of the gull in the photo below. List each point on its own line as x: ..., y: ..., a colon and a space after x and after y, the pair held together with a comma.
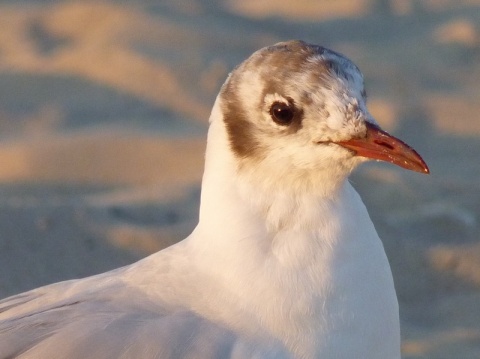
x: 284, y: 263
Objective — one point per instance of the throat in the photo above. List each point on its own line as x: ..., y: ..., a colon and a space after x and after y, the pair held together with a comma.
x: 273, y: 220
x: 297, y: 202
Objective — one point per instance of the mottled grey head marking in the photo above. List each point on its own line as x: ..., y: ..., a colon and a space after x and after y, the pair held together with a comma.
x: 240, y: 129
x: 293, y: 72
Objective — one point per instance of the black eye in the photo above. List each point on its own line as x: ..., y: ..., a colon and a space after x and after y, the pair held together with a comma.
x: 282, y: 113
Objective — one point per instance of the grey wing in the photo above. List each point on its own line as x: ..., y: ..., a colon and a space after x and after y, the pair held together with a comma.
x: 81, y: 328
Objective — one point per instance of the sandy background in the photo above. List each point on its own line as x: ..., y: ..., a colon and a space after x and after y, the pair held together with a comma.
x: 103, y: 112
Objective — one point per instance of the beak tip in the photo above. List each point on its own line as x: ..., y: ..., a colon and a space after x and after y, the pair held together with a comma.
x: 422, y: 165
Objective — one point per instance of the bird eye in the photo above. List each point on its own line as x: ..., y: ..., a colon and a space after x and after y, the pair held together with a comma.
x: 282, y: 113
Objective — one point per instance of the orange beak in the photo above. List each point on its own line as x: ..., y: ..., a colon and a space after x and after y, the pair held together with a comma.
x: 379, y: 145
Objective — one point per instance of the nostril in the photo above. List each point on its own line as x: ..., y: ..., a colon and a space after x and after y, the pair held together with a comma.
x: 384, y: 144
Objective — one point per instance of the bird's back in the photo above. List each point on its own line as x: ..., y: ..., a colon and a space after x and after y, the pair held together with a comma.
x: 103, y: 317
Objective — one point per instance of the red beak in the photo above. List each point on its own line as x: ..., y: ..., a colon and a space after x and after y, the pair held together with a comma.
x: 379, y: 145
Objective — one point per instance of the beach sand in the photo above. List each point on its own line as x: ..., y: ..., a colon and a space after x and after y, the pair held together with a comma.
x: 103, y: 118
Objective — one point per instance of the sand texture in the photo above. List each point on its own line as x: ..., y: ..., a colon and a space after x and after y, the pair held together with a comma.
x: 103, y: 117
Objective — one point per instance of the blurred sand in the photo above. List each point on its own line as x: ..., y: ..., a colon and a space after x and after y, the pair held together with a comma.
x: 103, y: 116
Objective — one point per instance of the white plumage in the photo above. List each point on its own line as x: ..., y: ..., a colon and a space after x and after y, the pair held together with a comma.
x: 285, y: 261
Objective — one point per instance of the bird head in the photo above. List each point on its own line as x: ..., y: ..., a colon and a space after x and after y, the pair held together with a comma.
x: 297, y: 113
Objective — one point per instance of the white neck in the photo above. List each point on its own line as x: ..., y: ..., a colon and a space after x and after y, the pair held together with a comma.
x: 303, y: 263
